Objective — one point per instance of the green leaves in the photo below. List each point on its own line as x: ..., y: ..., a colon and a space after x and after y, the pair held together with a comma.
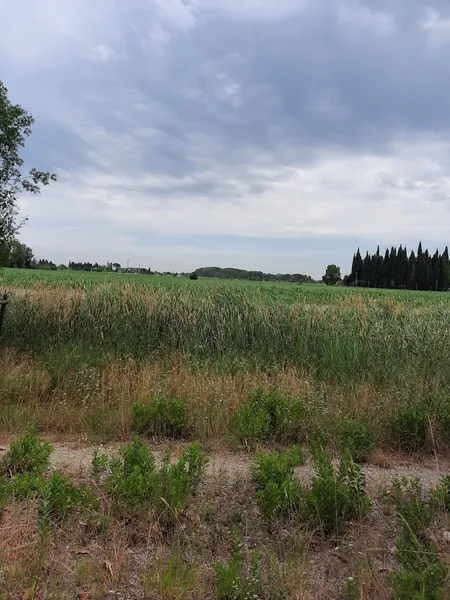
x: 133, y: 480
x: 15, y: 128
x: 26, y: 454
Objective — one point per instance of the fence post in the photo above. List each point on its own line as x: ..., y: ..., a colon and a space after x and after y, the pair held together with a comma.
x: 3, y: 302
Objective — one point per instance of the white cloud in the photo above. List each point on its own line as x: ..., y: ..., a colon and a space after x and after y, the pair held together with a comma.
x: 363, y: 18
x: 437, y: 28
x: 102, y: 53
x: 336, y: 196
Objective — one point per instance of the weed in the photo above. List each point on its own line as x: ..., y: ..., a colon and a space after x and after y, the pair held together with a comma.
x: 356, y: 438
x: 270, y: 415
x: 422, y: 574
x: 164, y: 416
x: 27, y: 485
x: 335, y: 497
x: 133, y: 480
x: 414, y: 514
x: 278, y: 493
x: 63, y: 496
x: 175, y: 579
x: 26, y: 454
x: 409, y: 428
x: 99, y: 463
x: 276, y: 466
x: 238, y: 579
x: 440, y: 496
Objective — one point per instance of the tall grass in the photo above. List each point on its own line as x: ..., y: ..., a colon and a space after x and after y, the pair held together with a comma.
x: 89, y: 345
x: 236, y: 328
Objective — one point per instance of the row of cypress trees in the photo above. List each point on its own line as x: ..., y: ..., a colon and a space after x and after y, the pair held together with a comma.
x: 420, y: 271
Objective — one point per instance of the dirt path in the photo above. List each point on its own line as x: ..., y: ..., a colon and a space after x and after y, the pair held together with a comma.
x: 75, y: 460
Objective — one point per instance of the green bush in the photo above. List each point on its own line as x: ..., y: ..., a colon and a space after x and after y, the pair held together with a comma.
x: 422, y: 574
x: 61, y: 494
x: 27, y: 485
x: 409, y: 428
x: 270, y: 415
x: 26, y: 454
x: 440, y: 496
x: 239, y: 579
x: 335, y: 497
x: 276, y: 466
x: 278, y: 494
x: 132, y: 479
x: 162, y: 416
x: 64, y: 496
x: 356, y: 438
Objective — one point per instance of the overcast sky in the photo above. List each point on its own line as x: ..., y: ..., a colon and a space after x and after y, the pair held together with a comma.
x: 268, y: 134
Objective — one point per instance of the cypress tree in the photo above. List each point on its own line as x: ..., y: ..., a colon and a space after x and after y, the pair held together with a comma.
x: 411, y: 277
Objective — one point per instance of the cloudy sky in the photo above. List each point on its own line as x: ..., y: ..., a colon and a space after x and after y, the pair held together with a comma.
x: 268, y: 134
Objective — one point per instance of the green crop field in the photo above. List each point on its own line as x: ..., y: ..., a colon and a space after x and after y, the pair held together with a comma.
x: 348, y: 347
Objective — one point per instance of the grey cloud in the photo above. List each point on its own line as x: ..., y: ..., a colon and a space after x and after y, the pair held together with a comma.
x: 270, y: 105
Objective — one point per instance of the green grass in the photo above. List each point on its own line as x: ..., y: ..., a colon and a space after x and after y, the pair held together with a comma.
x: 391, y: 345
x: 329, y: 332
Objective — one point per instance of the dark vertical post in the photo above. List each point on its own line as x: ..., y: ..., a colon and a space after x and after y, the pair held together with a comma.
x: 3, y: 302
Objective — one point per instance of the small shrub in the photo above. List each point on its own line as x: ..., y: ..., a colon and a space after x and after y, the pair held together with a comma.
x: 409, y: 428
x: 99, y: 463
x: 61, y: 494
x: 26, y: 454
x: 276, y: 466
x: 356, y: 438
x: 253, y: 422
x: 440, y: 496
x: 278, y: 494
x: 64, y: 496
x: 27, y: 485
x: 163, y: 416
x: 131, y: 475
x: 177, y: 481
x: 422, y: 574
x: 239, y: 579
x: 270, y: 415
x: 132, y: 479
x: 335, y: 497
x: 193, y: 276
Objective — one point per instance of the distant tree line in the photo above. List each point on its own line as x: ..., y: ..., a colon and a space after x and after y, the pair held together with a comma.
x: 396, y: 269
x: 20, y: 256
x: 230, y: 273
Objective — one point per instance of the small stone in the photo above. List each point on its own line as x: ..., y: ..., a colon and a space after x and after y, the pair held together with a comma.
x: 447, y: 536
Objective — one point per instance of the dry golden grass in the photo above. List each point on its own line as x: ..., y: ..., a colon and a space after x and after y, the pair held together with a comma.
x: 96, y: 403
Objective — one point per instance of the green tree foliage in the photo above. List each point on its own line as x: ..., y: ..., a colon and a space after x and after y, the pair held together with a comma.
x: 421, y: 271
x: 332, y: 275
x: 229, y: 273
x: 15, y: 128
x: 20, y: 256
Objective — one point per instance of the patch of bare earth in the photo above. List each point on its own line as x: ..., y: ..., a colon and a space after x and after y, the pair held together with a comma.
x: 127, y: 560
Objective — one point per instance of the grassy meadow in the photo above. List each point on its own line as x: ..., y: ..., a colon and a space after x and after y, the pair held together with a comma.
x: 218, y: 440
x: 79, y: 349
